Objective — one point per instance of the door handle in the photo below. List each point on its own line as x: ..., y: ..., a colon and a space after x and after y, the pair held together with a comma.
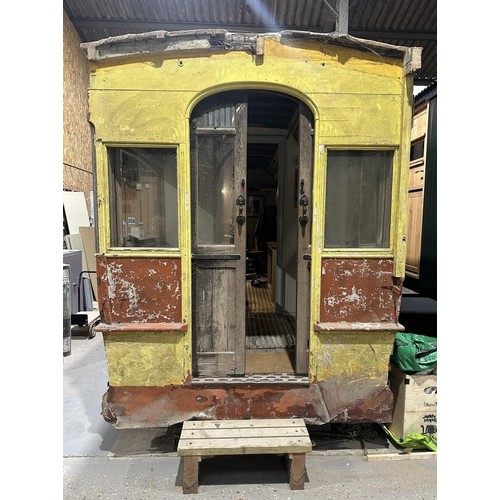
x: 303, y: 202
x: 240, y: 202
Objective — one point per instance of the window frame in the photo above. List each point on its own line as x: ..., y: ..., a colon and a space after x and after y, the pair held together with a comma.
x: 107, y: 197
x: 367, y: 252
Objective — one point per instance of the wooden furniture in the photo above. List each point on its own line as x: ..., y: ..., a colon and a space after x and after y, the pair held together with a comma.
x: 272, y: 249
x: 244, y: 437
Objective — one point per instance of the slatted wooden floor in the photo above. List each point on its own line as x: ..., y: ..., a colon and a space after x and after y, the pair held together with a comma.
x: 265, y: 329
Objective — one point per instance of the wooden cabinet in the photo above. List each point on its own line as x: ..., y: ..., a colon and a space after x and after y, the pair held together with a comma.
x: 416, y: 183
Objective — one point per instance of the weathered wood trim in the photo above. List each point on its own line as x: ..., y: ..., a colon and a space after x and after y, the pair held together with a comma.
x: 142, y: 327
x: 399, y: 224
x: 240, y: 173
x: 184, y: 215
x: 357, y: 253
x: 413, y: 60
x: 160, y: 41
x: 344, y: 326
x: 349, y: 41
x: 103, y: 200
x: 303, y: 296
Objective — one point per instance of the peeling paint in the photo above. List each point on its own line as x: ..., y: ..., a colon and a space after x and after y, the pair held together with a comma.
x: 333, y: 400
x: 139, y: 290
x: 359, y: 290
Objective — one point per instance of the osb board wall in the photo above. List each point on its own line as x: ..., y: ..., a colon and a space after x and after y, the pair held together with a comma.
x: 77, y: 144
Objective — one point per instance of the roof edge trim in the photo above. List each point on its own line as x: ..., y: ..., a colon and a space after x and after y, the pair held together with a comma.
x: 155, y: 42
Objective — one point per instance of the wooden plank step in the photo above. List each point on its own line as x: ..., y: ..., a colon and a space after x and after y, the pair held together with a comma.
x: 243, y: 446
x: 244, y: 437
x: 225, y: 433
x: 255, y: 423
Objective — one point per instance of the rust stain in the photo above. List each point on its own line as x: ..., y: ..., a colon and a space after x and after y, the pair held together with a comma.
x: 359, y: 290
x: 328, y: 401
x: 139, y: 290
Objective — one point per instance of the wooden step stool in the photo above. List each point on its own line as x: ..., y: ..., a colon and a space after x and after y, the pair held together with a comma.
x: 244, y: 437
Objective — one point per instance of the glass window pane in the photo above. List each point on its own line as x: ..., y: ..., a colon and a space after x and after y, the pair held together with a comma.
x: 358, y: 199
x: 215, y: 197
x: 144, y: 197
x: 417, y: 150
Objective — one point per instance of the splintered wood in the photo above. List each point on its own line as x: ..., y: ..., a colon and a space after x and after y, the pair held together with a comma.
x: 244, y: 437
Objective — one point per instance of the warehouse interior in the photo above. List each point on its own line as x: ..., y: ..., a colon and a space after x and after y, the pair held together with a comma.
x: 412, y: 24
x: 404, y: 23
x: 44, y: 378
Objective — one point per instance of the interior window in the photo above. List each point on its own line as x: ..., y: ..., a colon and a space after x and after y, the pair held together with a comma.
x: 144, y: 195
x: 358, y: 199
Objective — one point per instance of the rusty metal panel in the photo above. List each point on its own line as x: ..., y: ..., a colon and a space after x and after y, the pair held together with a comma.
x: 359, y: 290
x: 332, y: 400
x: 139, y: 290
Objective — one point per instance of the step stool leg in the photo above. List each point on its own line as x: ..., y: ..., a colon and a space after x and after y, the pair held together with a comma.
x: 190, y: 476
x: 297, y: 470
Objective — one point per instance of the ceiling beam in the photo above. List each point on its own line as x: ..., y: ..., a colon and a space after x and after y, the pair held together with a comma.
x: 393, y: 35
x: 126, y: 26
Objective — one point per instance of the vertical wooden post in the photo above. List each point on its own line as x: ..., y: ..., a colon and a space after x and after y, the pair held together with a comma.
x: 297, y: 470
x: 190, y: 475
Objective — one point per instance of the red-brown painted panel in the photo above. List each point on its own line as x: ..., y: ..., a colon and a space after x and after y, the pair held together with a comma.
x: 359, y: 290
x: 139, y: 290
x: 318, y: 403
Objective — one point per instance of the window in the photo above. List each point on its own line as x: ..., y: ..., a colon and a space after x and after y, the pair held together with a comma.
x: 143, y: 197
x: 358, y: 199
x: 417, y: 149
x: 215, y: 189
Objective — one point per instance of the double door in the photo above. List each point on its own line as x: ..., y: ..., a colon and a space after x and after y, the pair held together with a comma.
x: 219, y: 234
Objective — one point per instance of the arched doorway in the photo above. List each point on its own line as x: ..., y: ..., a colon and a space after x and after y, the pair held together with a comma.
x: 251, y: 175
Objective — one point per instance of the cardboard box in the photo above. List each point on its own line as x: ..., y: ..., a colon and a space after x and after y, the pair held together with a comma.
x: 415, y: 404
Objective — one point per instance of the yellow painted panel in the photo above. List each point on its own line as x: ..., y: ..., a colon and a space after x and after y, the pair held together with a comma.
x: 358, y: 355
x: 308, y: 71
x: 144, y: 359
x: 360, y: 119
x: 133, y: 116
x: 362, y: 61
x: 160, y: 117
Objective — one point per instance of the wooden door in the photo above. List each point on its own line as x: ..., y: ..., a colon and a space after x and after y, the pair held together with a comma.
x: 304, y: 221
x: 218, y: 169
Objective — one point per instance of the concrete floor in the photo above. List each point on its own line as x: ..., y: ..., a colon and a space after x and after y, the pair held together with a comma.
x: 101, y: 462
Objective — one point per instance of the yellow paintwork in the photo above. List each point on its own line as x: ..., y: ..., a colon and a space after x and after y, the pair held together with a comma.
x: 358, y: 99
x: 354, y: 355
x: 144, y: 359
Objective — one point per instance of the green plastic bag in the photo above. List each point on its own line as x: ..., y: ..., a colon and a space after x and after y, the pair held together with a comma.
x: 414, y: 353
x: 415, y: 441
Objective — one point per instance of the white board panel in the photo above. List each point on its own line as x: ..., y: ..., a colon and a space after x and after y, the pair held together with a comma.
x: 75, y: 208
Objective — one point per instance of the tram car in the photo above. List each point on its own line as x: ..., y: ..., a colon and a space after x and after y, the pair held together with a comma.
x: 251, y: 194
